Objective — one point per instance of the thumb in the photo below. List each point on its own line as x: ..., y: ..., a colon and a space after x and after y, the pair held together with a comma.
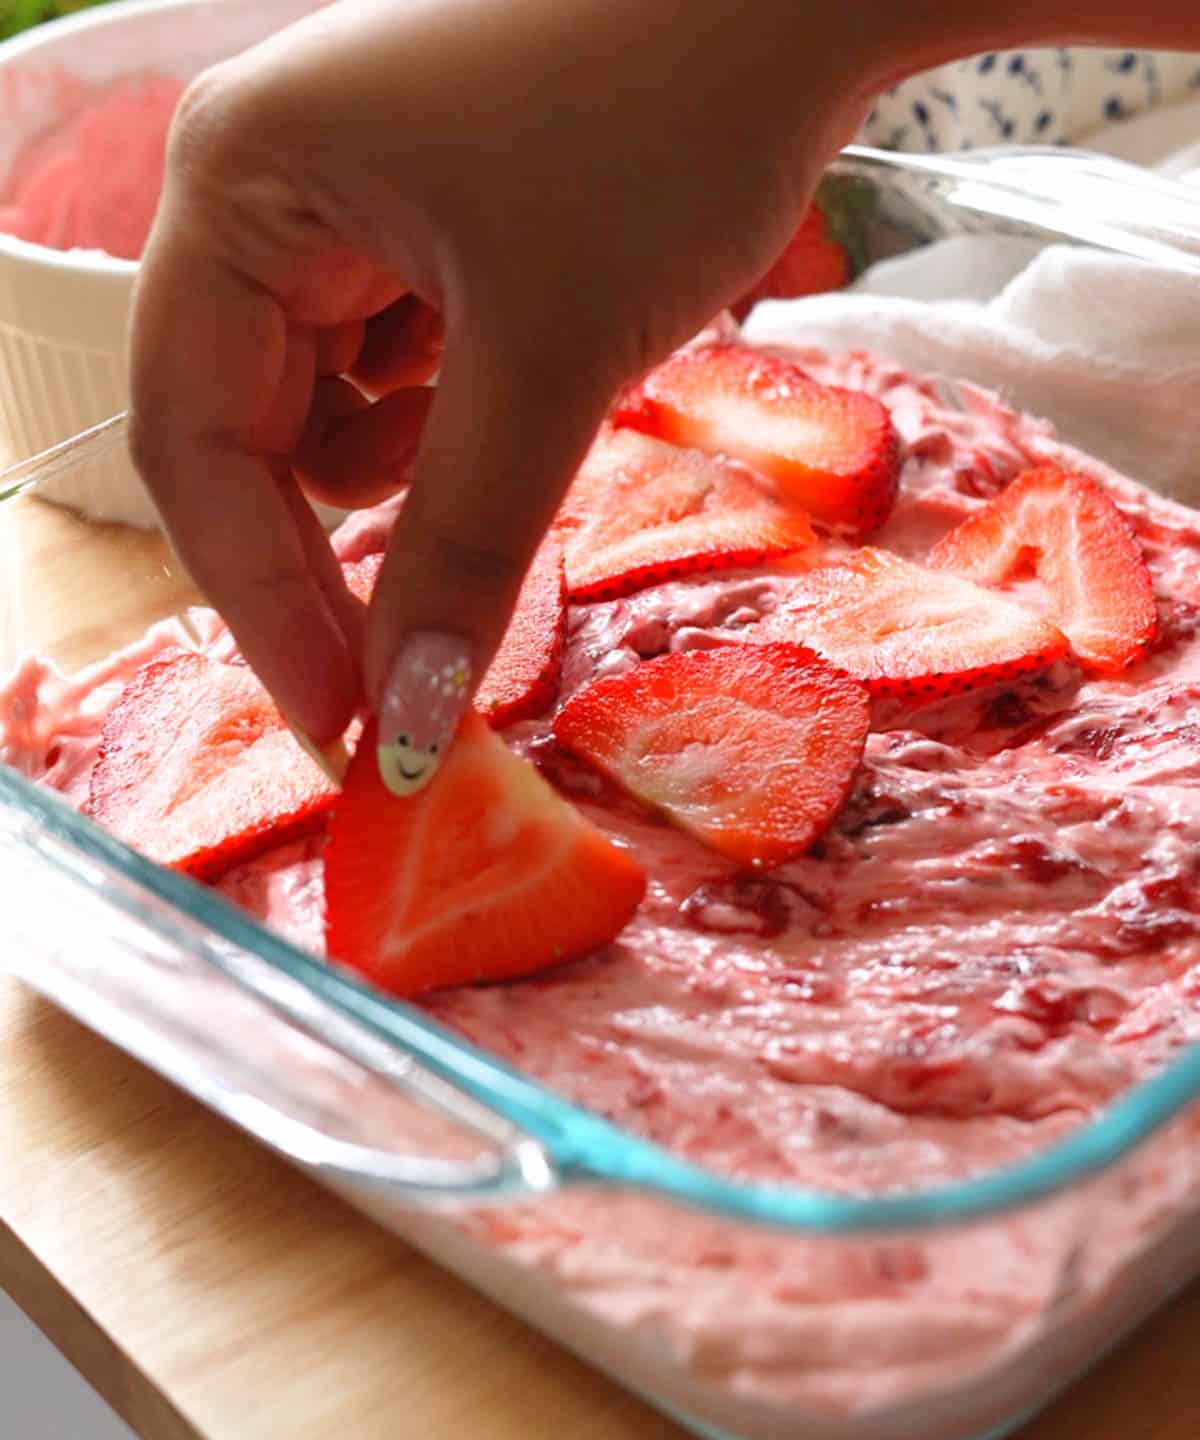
x: 508, y: 429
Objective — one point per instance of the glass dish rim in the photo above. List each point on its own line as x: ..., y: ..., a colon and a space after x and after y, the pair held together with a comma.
x: 580, y: 1147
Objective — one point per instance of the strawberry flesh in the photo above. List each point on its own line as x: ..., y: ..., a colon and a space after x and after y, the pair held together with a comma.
x: 641, y: 511
x: 522, y: 679
x: 360, y: 576
x: 835, y: 452
x: 813, y: 262
x: 750, y: 748
x: 198, y: 771
x: 909, y: 633
x: 485, y: 875
x: 1064, y: 528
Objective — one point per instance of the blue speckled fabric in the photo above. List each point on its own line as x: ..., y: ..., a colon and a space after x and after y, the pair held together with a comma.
x: 1023, y: 97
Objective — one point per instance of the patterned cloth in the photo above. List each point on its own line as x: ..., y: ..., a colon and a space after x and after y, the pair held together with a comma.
x: 1027, y: 97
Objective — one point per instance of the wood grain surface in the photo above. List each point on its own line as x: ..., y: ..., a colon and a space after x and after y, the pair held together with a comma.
x: 206, y: 1290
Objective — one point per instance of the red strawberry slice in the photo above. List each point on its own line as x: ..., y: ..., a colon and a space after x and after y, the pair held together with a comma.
x: 641, y: 511
x: 360, y: 576
x: 486, y: 874
x: 1066, y: 529
x: 751, y: 748
x: 912, y: 633
x: 198, y: 771
x: 523, y: 678
x: 833, y: 451
x: 814, y: 261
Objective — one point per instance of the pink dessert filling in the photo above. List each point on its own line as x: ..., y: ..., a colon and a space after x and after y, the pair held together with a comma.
x: 1000, y: 934
x: 93, y: 180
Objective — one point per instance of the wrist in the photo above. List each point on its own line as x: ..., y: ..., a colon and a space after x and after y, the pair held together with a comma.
x: 901, y: 37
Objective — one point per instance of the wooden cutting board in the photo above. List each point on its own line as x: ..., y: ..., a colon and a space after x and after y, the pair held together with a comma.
x: 206, y: 1290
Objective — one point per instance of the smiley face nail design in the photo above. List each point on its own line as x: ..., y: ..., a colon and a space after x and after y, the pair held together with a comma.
x: 427, y: 691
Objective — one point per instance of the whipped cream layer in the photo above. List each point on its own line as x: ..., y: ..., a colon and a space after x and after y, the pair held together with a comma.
x: 999, y: 934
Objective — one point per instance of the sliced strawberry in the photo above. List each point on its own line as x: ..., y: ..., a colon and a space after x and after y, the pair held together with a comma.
x: 360, y: 576
x: 1064, y: 528
x: 835, y: 452
x: 641, y: 511
x: 522, y: 680
x: 198, y: 771
x: 486, y: 874
x: 814, y: 261
x: 751, y: 748
x: 909, y: 632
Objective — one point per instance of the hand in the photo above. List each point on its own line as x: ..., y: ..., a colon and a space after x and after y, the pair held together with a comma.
x: 577, y: 186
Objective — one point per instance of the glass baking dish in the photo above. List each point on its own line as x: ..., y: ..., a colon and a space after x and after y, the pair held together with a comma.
x: 487, y: 1171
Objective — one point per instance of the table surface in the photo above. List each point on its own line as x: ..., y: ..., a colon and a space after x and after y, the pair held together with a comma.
x: 207, y: 1290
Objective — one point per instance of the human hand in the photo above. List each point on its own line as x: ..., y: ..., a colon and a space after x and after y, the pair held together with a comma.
x: 577, y: 186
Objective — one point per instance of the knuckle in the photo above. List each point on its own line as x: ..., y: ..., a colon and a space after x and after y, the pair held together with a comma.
x: 239, y: 167
x: 224, y: 112
x: 203, y: 121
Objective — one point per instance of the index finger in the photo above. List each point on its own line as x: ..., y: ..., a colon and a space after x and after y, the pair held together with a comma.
x: 210, y: 353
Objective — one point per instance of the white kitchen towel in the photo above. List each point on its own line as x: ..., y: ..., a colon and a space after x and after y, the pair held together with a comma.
x: 1108, y: 349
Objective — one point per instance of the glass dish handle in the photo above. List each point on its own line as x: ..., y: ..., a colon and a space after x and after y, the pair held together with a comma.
x: 373, y: 1096
x: 255, y: 1045
x: 1043, y: 191
x: 65, y: 458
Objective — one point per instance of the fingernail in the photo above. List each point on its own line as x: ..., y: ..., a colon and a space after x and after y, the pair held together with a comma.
x: 424, y: 698
x: 332, y: 759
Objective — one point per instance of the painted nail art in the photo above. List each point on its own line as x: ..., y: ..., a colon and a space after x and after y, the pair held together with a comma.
x: 423, y: 701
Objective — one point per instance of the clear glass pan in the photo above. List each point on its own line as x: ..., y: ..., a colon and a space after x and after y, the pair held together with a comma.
x: 487, y: 1170
x: 460, y: 1153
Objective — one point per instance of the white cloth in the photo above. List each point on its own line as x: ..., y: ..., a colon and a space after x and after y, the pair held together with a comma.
x: 1108, y: 349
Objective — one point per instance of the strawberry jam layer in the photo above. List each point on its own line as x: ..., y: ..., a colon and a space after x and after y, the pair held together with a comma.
x: 999, y: 934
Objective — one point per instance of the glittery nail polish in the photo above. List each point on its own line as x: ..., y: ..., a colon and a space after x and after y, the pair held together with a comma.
x: 424, y: 698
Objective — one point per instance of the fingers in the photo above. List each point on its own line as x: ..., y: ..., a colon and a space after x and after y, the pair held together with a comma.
x: 196, y: 403
x: 402, y: 346
x: 336, y: 285
x: 504, y: 438
x: 338, y: 347
x: 354, y: 453
x: 274, y: 433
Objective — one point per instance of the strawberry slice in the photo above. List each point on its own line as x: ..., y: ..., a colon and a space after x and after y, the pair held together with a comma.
x: 522, y: 679
x: 912, y: 633
x: 833, y: 451
x: 814, y: 261
x: 198, y: 771
x: 751, y: 748
x: 641, y: 511
x: 360, y: 576
x: 1066, y: 529
x: 486, y: 874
